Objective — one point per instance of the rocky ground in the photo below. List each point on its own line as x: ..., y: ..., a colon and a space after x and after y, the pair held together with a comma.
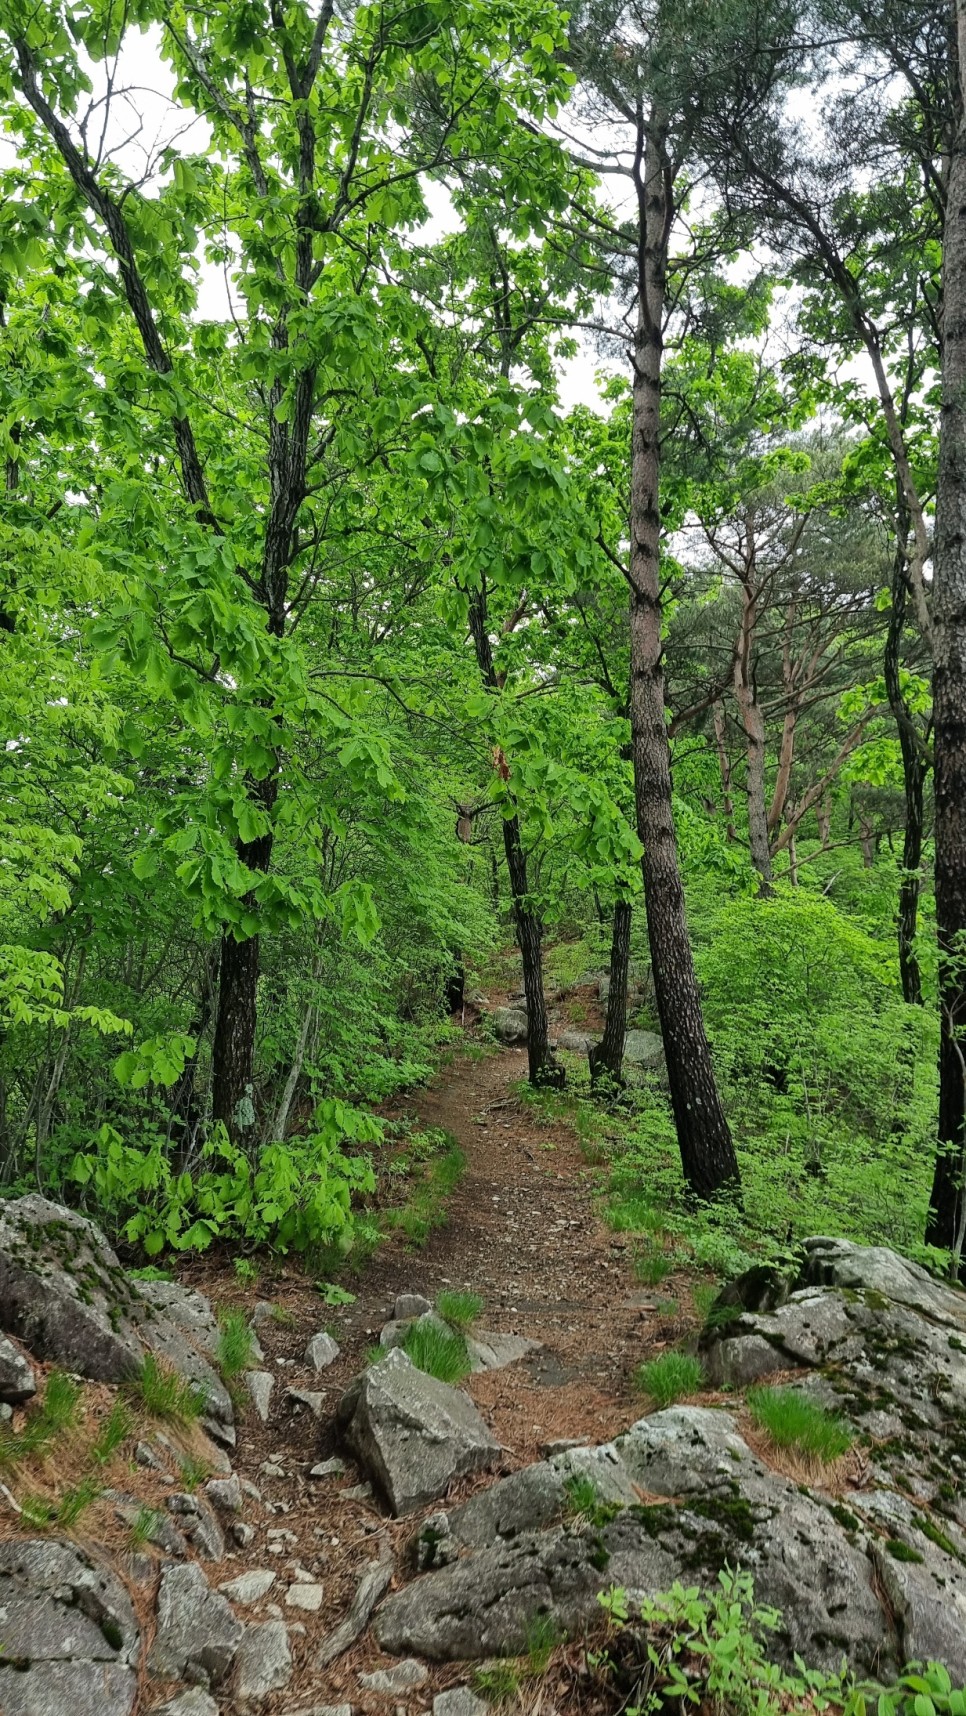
x: 324, y: 1542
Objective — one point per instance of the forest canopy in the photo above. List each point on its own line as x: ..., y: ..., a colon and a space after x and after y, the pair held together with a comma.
x: 482, y: 472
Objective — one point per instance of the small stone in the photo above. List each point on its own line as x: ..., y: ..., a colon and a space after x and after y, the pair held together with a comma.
x: 225, y: 1493
x: 321, y: 1351
x: 264, y: 1661
x: 17, y: 1379
x: 333, y: 1468
x: 562, y: 1445
x: 243, y: 1534
x: 145, y: 1456
x: 305, y: 1597
x: 249, y: 1587
x: 271, y: 1469
x: 458, y: 1701
x: 304, y: 1397
x: 196, y: 1627
x: 410, y: 1305
x: 357, y: 1492
x: 402, y: 1677
x: 323, y: 1710
x: 259, y: 1384
x: 250, y: 1490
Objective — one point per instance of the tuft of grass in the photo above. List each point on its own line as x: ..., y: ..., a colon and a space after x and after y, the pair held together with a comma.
x: 142, y: 1526
x: 544, y: 1634
x: 791, y: 1420
x: 236, y: 1344
x: 163, y: 1394
x: 460, y: 1310
x: 437, y: 1352
x: 653, y: 1266
x: 585, y: 1502
x: 498, y: 1682
x: 425, y: 1208
x: 671, y: 1377
x: 193, y: 1473
x: 58, y: 1411
x: 114, y: 1431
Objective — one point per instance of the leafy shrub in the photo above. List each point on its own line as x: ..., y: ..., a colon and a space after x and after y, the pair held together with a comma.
x: 709, y: 1649
x: 437, y: 1351
x: 296, y: 1196
x: 791, y: 1420
x: 461, y: 1310
x: 671, y: 1377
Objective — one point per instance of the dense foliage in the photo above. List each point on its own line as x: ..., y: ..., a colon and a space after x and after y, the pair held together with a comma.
x: 317, y: 680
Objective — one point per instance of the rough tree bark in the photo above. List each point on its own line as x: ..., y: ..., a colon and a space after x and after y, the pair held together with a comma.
x: 707, y: 1152
x: 944, y: 1225
x: 914, y: 771
x: 724, y: 765
x: 544, y: 1070
x: 607, y: 1057
x: 752, y: 721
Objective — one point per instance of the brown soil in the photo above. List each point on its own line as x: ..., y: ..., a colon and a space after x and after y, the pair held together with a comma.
x: 522, y: 1232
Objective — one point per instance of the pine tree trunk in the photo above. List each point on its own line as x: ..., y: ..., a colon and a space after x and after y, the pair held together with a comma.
x: 707, y: 1152
x: 944, y: 1225
x: 607, y: 1056
x: 724, y: 765
x: 914, y: 768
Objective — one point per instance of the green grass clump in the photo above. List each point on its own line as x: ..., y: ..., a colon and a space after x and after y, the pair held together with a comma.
x: 653, y: 1266
x: 585, y: 1502
x: 671, y: 1377
x: 236, y: 1344
x: 425, y: 1209
x: 791, y: 1420
x: 498, y: 1682
x: 163, y: 1394
x: 544, y: 1634
x: 460, y: 1310
x: 142, y: 1526
x: 437, y: 1351
x: 58, y: 1411
x: 193, y: 1473
x: 114, y: 1431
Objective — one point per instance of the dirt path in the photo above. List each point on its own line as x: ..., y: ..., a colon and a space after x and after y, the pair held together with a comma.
x: 522, y: 1232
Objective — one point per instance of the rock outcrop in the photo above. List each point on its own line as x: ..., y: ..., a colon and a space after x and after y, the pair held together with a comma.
x: 64, y: 1293
x: 69, y: 1636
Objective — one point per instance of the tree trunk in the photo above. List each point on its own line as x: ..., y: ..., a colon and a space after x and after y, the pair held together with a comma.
x: 544, y: 1070
x: 949, y: 697
x: 752, y: 720
x: 724, y: 764
x: 233, y: 1049
x: 607, y: 1056
x: 823, y: 816
x: 707, y: 1152
x: 914, y: 770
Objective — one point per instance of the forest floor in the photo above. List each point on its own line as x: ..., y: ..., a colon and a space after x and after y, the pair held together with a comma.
x: 524, y: 1232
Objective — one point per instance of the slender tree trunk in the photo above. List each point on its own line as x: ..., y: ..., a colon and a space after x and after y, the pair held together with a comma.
x: 607, y: 1056
x: 949, y: 697
x: 707, y: 1152
x: 823, y: 816
x: 914, y: 770
x: 280, y: 1122
x: 724, y: 765
x: 544, y: 1070
x: 752, y: 720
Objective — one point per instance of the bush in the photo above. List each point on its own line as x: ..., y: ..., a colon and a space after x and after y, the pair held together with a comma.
x: 295, y: 1196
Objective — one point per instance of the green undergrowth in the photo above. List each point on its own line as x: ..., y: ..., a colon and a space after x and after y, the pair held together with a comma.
x: 40, y: 1439
x: 58, y: 1411
x: 673, y: 1376
x: 431, y: 1168
x: 791, y: 1420
x: 710, y: 1650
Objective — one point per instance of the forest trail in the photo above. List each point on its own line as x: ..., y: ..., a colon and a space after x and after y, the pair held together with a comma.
x: 523, y: 1232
